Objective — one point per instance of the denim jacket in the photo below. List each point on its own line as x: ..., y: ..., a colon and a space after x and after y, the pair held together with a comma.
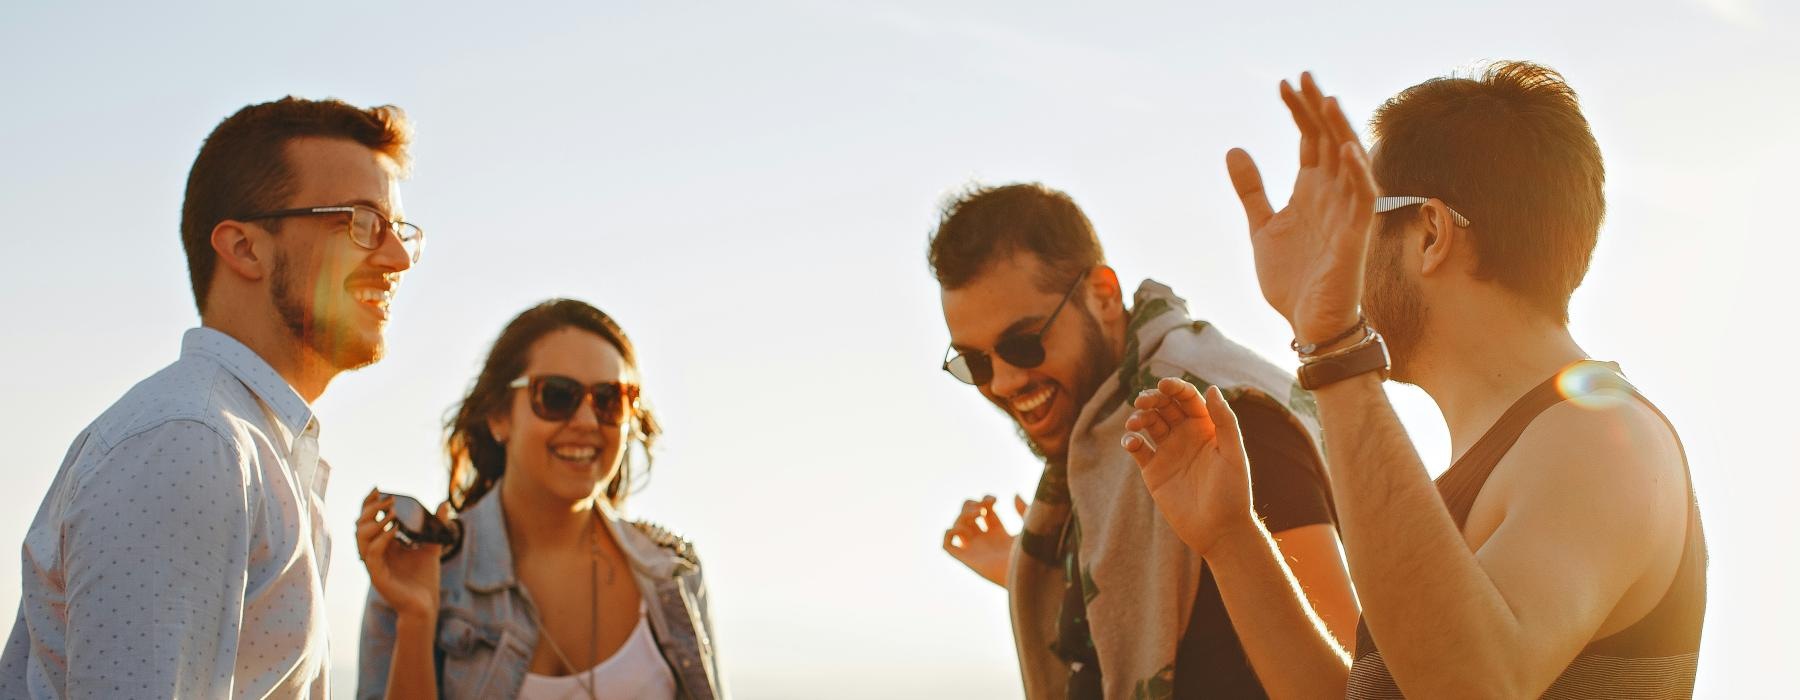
x: 485, y: 634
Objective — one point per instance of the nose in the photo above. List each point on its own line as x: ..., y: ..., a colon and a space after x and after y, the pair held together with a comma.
x: 392, y: 254
x: 1008, y: 380
x: 587, y: 415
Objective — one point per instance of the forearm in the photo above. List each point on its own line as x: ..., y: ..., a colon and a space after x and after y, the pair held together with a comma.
x: 1443, y: 628
x: 412, y: 674
x: 1288, y: 646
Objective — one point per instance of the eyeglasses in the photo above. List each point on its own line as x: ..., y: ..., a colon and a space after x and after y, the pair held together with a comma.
x: 556, y: 398
x: 368, y: 227
x: 1387, y: 204
x: 1023, y: 351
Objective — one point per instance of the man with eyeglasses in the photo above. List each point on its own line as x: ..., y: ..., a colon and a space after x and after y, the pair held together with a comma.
x: 1106, y: 600
x: 1561, y: 555
x: 181, y: 550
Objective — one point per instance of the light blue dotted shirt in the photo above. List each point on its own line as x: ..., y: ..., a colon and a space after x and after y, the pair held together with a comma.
x: 181, y: 550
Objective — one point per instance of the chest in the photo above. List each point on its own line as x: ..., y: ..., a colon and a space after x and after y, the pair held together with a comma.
x: 587, y: 607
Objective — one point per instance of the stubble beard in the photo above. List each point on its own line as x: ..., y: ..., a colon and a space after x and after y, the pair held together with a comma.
x: 1394, y: 305
x: 1092, y: 370
x: 334, y: 342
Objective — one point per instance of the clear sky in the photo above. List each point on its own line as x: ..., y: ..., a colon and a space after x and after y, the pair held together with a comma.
x: 749, y: 191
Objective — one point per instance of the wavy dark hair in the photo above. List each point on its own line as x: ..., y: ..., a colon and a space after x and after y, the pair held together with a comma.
x: 477, y: 460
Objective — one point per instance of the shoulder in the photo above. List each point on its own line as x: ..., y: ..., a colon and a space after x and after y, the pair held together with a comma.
x: 193, y: 390
x: 182, y: 453
x: 1610, y: 463
x: 678, y: 546
x: 1613, y: 440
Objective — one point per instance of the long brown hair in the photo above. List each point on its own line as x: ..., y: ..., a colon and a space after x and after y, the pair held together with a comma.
x: 477, y: 460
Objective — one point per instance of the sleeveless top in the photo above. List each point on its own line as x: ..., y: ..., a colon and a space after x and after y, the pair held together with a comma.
x: 1656, y: 656
x: 636, y: 670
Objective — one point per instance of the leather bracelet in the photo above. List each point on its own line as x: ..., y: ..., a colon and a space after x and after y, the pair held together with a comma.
x: 1371, y: 355
x: 1369, y: 336
x: 1308, y: 349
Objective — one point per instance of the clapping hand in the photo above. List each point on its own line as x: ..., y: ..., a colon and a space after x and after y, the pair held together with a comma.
x: 1193, y: 461
x: 1310, y: 255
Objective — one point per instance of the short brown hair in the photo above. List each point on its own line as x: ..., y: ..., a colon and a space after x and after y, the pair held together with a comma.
x: 1510, y: 150
x: 984, y: 224
x: 242, y: 167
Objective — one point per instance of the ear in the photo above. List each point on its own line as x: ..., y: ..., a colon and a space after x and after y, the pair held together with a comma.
x: 1441, y: 240
x: 1105, y: 298
x: 247, y: 251
x: 500, y: 426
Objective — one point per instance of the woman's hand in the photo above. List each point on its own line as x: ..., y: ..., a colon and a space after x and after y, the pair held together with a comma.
x: 405, y: 576
x: 1193, y: 462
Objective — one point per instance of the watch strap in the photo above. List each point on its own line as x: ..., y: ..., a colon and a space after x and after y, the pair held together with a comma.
x: 1370, y: 355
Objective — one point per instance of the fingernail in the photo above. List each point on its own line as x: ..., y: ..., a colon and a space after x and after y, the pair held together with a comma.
x: 1128, y: 441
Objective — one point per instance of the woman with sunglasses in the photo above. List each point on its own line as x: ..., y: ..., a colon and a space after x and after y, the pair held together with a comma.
x: 550, y: 594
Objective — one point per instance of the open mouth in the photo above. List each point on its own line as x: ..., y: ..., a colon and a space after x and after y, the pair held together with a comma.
x: 1033, y: 408
x: 575, y: 455
x: 376, y: 298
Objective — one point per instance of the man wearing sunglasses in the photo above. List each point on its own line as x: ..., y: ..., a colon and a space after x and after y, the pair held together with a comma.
x: 1561, y: 555
x: 181, y: 550
x: 1105, y: 598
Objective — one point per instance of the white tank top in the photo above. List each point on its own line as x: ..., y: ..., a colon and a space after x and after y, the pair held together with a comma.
x: 636, y: 670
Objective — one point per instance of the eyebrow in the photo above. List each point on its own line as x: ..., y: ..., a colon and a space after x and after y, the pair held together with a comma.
x: 1017, y: 327
x: 372, y: 205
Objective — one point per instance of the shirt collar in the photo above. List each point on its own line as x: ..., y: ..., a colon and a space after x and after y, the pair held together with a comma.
x: 251, y: 369
x: 489, y: 552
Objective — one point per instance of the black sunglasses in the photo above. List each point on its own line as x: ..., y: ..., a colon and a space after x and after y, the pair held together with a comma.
x: 1024, y: 351
x: 556, y: 398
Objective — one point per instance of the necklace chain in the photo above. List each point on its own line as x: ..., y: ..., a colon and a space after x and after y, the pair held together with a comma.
x: 583, y: 677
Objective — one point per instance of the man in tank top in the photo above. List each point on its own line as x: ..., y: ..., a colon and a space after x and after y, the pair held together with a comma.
x: 1561, y: 555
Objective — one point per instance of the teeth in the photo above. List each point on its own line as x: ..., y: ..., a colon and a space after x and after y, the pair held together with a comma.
x: 576, y: 454
x: 1033, y: 401
x: 373, y: 296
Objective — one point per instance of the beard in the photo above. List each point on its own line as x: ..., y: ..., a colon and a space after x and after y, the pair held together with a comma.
x: 335, y: 341
x: 1393, y: 303
x: 1092, y: 368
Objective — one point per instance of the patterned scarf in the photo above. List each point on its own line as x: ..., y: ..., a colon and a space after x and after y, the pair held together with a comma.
x: 1138, y: 579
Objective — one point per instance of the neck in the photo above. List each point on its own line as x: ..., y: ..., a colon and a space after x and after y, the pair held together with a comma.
x: 1476, y: 370
x: 538, y: 520
x: 290, y: 357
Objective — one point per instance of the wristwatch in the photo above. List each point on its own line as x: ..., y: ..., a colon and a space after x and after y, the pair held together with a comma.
x: 1369, y: 355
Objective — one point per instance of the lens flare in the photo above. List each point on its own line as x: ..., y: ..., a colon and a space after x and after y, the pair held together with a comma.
x: 1592, y: 385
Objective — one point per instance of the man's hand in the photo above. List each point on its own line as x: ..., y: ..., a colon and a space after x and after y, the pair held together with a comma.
x: 1309, y: 255
x: 407, y: 578
x: 979, y: 541
x: 1194, y: 463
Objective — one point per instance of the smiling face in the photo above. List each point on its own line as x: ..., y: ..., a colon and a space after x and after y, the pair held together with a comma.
x: 331, y: 294
x: 568, y: 460
x: 1006, y: 300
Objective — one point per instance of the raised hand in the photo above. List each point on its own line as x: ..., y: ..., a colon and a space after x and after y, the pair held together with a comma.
x: 980, y: 541
x: 1309, y: 255
x: 1193, y: 462
x: 406, y: 577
